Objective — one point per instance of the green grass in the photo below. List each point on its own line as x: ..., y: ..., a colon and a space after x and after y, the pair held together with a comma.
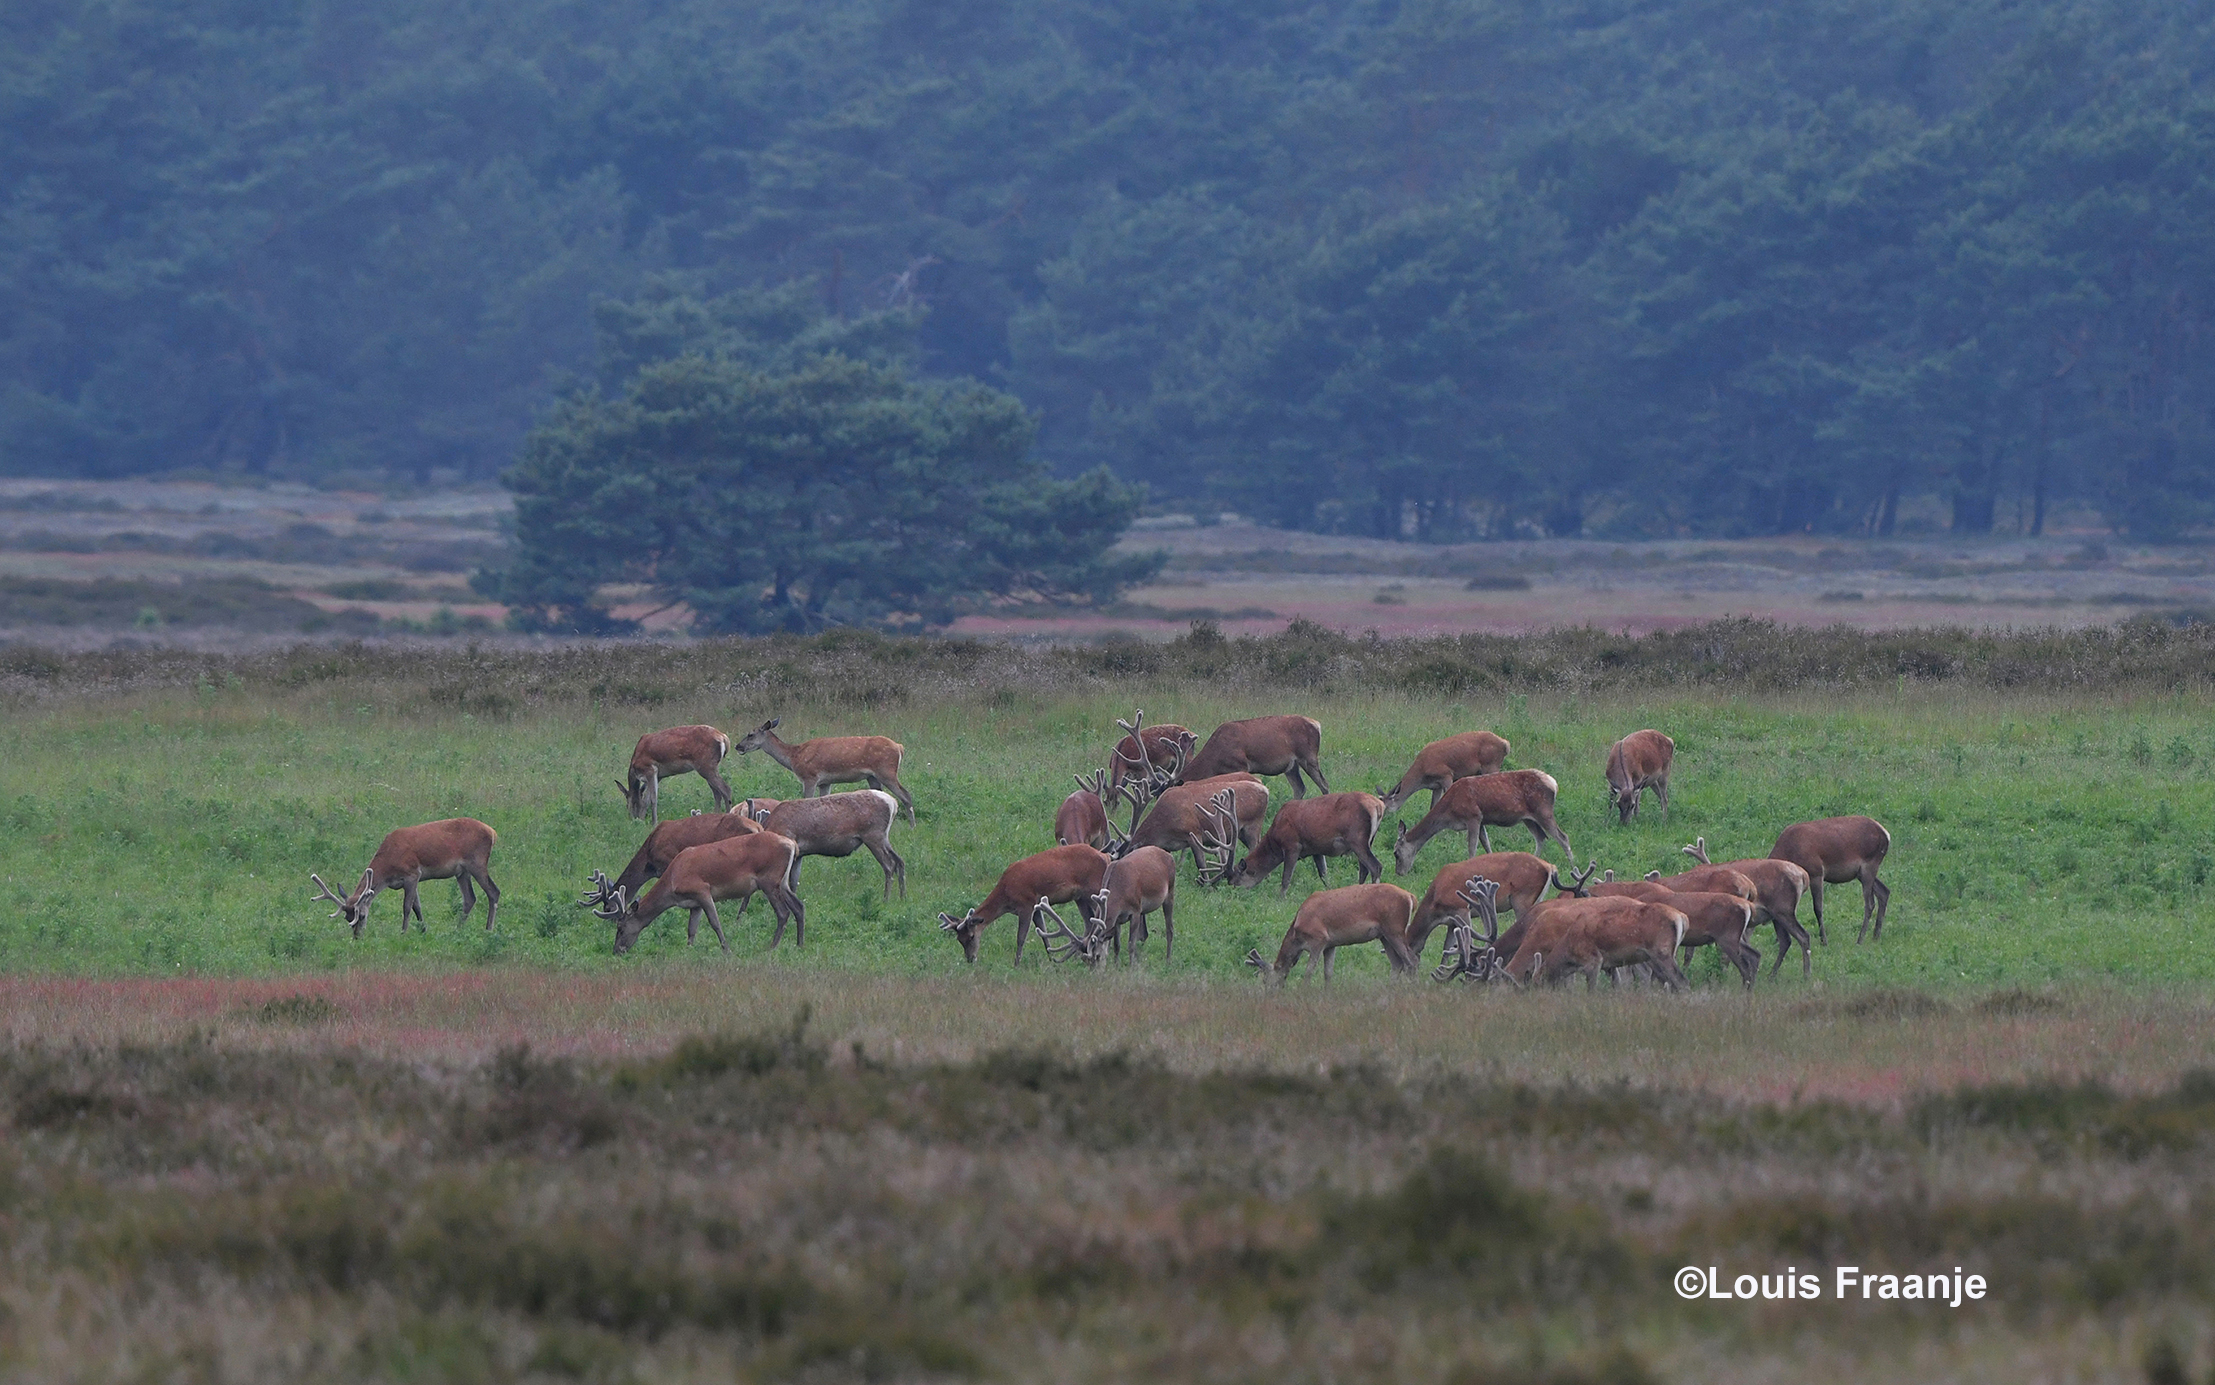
x: 154, y: 832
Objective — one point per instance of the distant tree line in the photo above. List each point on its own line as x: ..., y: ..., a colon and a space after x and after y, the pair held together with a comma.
x: 1388, y: 266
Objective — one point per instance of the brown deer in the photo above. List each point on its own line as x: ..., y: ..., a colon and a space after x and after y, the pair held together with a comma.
x: 1570, y: 886
x: 1595, y: 935
x: 1636, y: 763
x: 1440, y: 763
x: 1720, y: 919
x: 1082, y: 816
x: 828, y: 760
x: 757, y: 808
x: 1138, y: 884
x: 1336, y: 824
x: 1779, y: 886
x: 1283, y: 745
x: 1521, y: 879
x: 1058, y: 875
x: 1470, y: 805
x: 663, y: 845
x: 838, y: 825
x: 457, y: 849
x: 734, y: 868
x: 1180, y: 820
x: 663, y: 755
x: 1833, y: 851
x: 1347, y: 916
x: 1167, y: 747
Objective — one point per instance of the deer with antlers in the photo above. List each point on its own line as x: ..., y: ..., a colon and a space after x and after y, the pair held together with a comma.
x: 1147, y: 753
x: 1833, y: 851
x: 662, y: 845
x: 1345, y: 917
x: 457, y: 849
x: 1511, y: 797
x: 1059, y: 874
x: 1082, y: 816
x: 1209, y: 817
x: 828, y: 760
x: 1139, y: 882
x: 1720, y: 920
x: 663, y: 755
x: 1778, y: 887
x: 1336, y: 824
x: 1440, y: 763
x: 1635, y: 764
x: 1283, y: 745
x: 1578, y: 934
x: 701, y: 876
x: 1519, y: 881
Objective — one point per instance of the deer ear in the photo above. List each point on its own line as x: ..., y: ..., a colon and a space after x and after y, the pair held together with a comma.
x: 771, y: 724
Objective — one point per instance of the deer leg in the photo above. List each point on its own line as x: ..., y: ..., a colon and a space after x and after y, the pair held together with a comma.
x: 1328, y: 954
x: 691, y: 925
x: 410, y: 904
x: 1284, y: 887
x: 1320, y: 873
x: 1371, y: 867
x: 715, y: 922
x: 653, y: 794
x: 722, y: 791
x: 1478, y: 839
x: 1292, y: 772
x: 1168, y: 929
x: 1661, y: 791
x: 1815, y: 893
x: 1874, y: 892
x: 890, y: 860
x: 468, y: 893
x: 1315, y: 771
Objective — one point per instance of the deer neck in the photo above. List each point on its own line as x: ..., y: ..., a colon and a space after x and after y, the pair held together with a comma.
x: 777, y: 750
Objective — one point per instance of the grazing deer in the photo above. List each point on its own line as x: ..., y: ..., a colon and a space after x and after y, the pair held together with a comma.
x: 1283, y: 745
x: 663, y: 755
x: 1336, y: 824
x: 1469, y: 805
x: 1344, y: 917
x: 1520, y: 880
x: 837, y: 825
x: 1181, y: 820
x: 1638, y: 762
x: 1167, y: 747
x: 1440, y: 763
x: 1063, y: 943
x: 457, y: 849
x: 1570, y: 886
x: 827, y: 760
x: 1779, y: 886
x: 1138, y: 883
x: 663, y: 845
x: 1720, y: 919
x: 1083, y: 814
x: 1594, y: 935
x: 1833, y: 851
x: 1057, y: 875
x: 734, y: 868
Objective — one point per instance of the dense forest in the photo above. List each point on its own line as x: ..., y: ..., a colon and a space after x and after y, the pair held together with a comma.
x: 1440, y: 268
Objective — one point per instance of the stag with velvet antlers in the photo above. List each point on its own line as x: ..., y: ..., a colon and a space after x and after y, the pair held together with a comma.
x: 458, y: 849
x: 701, y: 876
x: 663, y: 755
x: 664, y: 844
x: 827, y: 760
x: 1336, y: 824
x: 1166, y: 747
x: 1057, y: 875
x: 1211, y: 818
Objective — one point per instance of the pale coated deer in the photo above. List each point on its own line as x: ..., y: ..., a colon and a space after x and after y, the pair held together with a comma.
x: 838, y: 825
x: 663, y: 755
x: 1440, y: 763
x: 1835, y: 850
x: 1336, y: 824
x: 1524, y: 796
x: 1345, y: 917
x: 457, y: 849
x: 1138, y: 884
x: 1779, y: 886
x: 1058, y: 875
x: 1521, y: 879
x: 1636, y: 763
x: 1167, y: 747
x: 1283, y: 745
x: 1180, y: 821
x: 1082, y: 816
x: 663, y: 845
x: 734, y: 868
x: 828, y: 760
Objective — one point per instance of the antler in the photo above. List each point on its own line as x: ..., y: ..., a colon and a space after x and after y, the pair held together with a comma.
x: 1095, y: 784
x: 603, y: 889
x: 1576, y: 882
x: 1063, y: 942
x: 616, y: 904
x: 1698, y: 851
x: 1219, y: 842
x: 1467, y: 956
x: 325, y: 892
x: 947, y: 923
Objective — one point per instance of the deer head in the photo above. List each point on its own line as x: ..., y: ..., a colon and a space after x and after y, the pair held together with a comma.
x: 1062, y: 943
x: 758, y: 737
x: 965, y: 931
x: 353, y: 909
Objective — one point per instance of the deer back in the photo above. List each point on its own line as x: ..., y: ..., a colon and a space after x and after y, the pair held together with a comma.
x: 1177, y: 814
x: 1652, y: 891
x: 1356, y: 913
x: 1711, y: 916
x: 1462, y: 756
x: 685, y: 745
x: 835, y: 754
x: 1506, y: 797
x: 1639, y: 757
x: 1258, y: 745
x: 1727, y: 879
x: 833, y: 817
x: 1141, y: 881
x: 433, y: 848
x: 1058, y: 874
x: 749, y: 860
x: 1834, y: 848
x: 1081, y: 818
x: 1522, y: 878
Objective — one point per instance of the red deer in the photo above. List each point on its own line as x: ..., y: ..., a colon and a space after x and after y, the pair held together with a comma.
x: 1571, y: 887
x: 1180, y: 820
x: 457, y: 849
x: 1138, y: 884
x: 663, y: 845
x: 1720, y: 919
x: 1778, y: 888
x: 1835, y: 850
x: 1336, y: 824
x: 1168, y: 746
x: 734, y: 868
x: 1470, y: 805
x: 828, y: 760
x: 1521, y: 879
x: 1283, y: 745
x: 1057, y: 875
x: 1440, y: 763
x: 838, y: 825
x: 757, y: 808
x: 663, y: 755
x: 1638, y: 762
x: 1083, y: 814
x: 1595, y: 935
x: 1347, y: 916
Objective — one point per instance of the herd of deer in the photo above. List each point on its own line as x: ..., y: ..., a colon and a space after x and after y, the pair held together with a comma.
x: 1208, y: 800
